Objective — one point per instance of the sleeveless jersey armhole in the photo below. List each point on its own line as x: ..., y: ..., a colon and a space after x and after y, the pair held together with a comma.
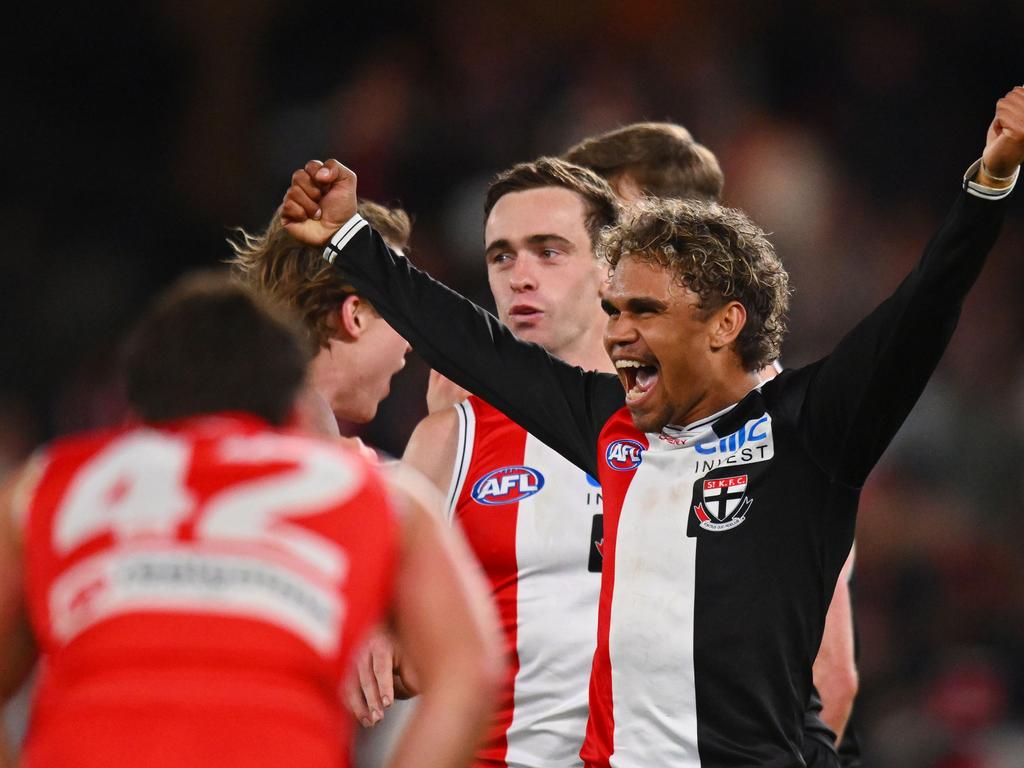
x: 463, y: 454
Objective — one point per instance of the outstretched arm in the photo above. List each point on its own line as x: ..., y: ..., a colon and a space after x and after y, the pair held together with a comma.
x: 560, y: 404
x: 850, y: 405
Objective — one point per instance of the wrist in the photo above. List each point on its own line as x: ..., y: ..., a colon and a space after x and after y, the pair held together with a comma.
x: 996, y: 176
x: 342, y: 236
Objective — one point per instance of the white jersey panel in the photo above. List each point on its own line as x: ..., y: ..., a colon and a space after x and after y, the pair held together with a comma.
x: 652, y: 607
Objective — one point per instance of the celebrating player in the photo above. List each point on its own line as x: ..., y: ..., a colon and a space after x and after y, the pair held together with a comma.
x: 663, y: 160
x: 729, y: 503
x: 196, y: 583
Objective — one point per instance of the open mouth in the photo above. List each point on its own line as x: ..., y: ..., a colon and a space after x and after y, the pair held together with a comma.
x: 638, y: 378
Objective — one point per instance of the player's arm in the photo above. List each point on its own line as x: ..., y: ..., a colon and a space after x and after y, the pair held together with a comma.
x: 433, y: 447
x: 17, y: 645
x: 850, y: 404
x: 445, y: 619
x: 835, y: 668
x: 382, y: 671
x: 560, y: 404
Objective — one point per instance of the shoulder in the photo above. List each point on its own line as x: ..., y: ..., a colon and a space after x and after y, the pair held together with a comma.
x: 433, y: 446
x: 442, y: 425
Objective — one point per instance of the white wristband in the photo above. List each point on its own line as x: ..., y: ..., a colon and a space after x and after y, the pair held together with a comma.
x: 341, y: 238
x: 983, y: 191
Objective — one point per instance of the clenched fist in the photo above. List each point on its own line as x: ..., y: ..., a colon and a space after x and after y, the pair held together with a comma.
x: 1004, y: 148
x: 321, y: 198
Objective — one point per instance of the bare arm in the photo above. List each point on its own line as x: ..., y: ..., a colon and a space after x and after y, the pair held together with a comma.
x: 382, y: 672
x: 835, y: 669
x: 17, y: 645
x: 433, y: 446
x: 561, y: 404
x: 446, y: 621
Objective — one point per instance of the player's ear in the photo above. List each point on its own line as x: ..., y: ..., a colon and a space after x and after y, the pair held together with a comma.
x: 352, y: 317
x: 726, y: 324
x: 626, y: 187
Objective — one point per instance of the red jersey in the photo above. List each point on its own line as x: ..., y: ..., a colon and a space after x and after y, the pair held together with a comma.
x: 197, y: 590
x: 534, y: 522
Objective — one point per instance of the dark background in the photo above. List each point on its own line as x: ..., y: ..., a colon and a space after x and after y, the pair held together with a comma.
x: 135, y: 136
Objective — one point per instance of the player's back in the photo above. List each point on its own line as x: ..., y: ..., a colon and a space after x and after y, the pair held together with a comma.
x: 196, y: 590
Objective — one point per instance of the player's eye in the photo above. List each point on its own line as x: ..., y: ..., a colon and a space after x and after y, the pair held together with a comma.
x: 549, y: 253
x: 500, y: 258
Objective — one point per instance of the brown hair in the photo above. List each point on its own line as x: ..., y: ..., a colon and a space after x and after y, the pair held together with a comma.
x: 662, y: 158
x: 602, y: 207
x: 719, y: 254
x: 208, y: 344
x: 275, y: 263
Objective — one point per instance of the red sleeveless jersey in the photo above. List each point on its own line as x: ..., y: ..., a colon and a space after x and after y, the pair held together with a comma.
x: 196, y: 590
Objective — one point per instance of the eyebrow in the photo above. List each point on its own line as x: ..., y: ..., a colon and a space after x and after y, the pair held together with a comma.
x: 634, y: 304
x: 504, y: 244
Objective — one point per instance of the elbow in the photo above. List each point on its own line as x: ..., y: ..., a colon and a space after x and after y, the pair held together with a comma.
x: 840, y: 688
x: 849, y: 684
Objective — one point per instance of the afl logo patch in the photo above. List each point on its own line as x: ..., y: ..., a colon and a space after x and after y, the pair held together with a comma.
x: 624, y: 455
x: 507, y: 485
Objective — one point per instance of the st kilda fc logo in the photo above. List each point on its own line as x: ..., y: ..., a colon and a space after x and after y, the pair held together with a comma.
x: 721, y: 502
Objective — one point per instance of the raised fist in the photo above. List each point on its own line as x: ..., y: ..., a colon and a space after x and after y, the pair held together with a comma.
x: 1004, y: 149
x: 321, y: 198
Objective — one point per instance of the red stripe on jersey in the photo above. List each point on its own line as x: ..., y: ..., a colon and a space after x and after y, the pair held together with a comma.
x: 599, y: 743
x: 491, y: 532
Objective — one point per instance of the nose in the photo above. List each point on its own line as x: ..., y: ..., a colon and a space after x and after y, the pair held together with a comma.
x: 522, y: 277
x: 619, y: 332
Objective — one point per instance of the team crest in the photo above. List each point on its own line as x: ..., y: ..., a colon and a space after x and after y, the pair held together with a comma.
x: 724, y: 503
x: 507, y: 485
x: 624, y: 455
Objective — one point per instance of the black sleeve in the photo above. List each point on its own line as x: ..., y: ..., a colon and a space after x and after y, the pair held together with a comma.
x: 560, y: 404
x: 850, y: 404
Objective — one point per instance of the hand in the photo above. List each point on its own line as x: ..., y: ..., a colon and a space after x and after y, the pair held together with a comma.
x: 443, y: 393
x: 1004, y: 148
x: 377, y: 679
x: 321, y: 198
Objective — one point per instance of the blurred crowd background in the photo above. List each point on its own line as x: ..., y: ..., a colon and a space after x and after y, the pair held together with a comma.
x: 136, y: 137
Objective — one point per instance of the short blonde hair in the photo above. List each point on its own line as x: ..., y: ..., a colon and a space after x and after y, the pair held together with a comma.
x: 277, y: 265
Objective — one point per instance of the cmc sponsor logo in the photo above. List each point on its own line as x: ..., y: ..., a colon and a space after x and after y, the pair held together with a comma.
x: 751, y: 432
x: 507, y: 485
x: 624, y: 455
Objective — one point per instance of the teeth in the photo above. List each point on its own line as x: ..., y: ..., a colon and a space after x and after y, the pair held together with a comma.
x: 628, y: 364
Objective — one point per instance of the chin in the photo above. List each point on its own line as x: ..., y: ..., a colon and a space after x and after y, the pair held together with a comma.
x: 648, y: 422
x: 355, y: 412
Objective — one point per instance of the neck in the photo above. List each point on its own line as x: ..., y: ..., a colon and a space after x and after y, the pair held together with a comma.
x: 719, y: 396
x: 587, y: 351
